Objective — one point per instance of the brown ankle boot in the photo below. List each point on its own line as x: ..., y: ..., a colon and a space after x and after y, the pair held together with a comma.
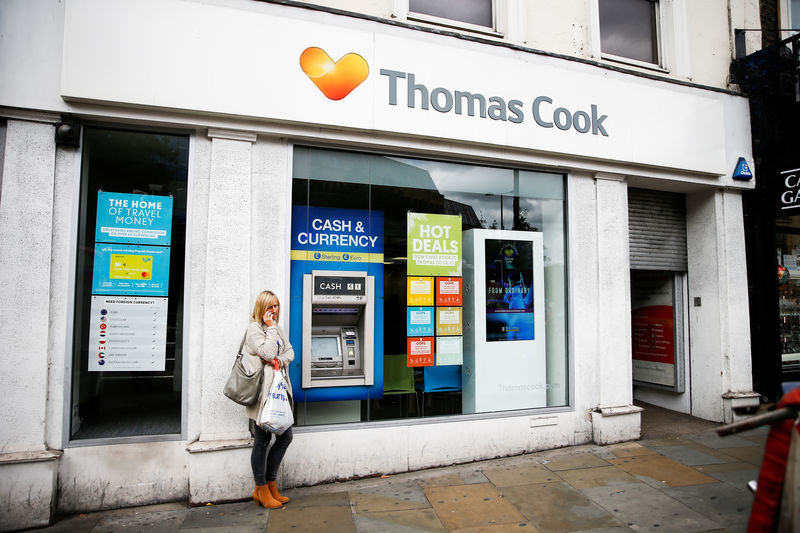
x: 273, y: 489
x: 262, y: 496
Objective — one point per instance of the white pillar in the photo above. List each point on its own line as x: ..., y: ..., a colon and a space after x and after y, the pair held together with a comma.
x: 721, y: 367
x: 228, y: 271
x: 27, y: 468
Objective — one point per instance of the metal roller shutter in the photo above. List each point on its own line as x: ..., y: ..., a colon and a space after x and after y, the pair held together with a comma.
x: 657, y: 228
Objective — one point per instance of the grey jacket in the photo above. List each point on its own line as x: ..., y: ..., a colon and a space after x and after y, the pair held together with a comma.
x: 266, y: 343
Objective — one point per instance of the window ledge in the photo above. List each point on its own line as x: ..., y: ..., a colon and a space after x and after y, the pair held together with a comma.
x: 202, y: 446
x: 453, y: 24
x: 634, y: 63
x: 29, y: 457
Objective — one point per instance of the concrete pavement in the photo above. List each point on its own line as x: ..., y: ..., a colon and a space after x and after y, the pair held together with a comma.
x: 668, y: 481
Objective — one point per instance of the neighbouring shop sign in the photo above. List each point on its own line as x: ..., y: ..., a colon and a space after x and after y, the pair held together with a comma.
x: 789, y: 191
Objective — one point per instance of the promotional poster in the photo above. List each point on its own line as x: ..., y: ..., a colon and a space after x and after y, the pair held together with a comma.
x: 509, y: 290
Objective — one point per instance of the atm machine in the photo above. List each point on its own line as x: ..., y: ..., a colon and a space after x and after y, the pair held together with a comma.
x: 338, y: 333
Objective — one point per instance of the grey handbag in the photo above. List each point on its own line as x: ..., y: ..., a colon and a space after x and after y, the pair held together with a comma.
x: 241, y: 387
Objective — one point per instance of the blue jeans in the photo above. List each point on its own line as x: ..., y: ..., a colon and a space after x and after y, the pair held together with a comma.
x: 265, y: 465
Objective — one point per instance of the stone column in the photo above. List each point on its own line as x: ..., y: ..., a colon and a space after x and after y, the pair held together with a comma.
x: 721, y: 366
x: 615, y: 418
x: 228, y: 272
x: 27, y: 467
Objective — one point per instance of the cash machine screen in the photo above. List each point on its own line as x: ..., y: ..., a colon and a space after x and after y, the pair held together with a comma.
x: 325, y: 349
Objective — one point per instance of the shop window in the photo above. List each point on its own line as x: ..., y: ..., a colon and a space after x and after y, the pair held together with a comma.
x: 428, y: 358
x: 127, y: 342
x: 472, y: 12
x: 787, y: 244
x: 629, y: 30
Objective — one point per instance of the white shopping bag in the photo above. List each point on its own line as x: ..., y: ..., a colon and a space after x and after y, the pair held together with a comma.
x: 276, y: 414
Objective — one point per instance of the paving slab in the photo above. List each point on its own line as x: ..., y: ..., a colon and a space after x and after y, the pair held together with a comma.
x: 751, y: 454
x: 243, y: 516
x: 443, y: 481
x: 712, y: 440
x: 720, y: 502
x: 157, y: 522
x: 571, y: 462
x: 603, y: 476
x: 734, y: 474
x: 322, y: 499
x: 688, y: 456
x: 520, y: 475
x: 413, y: 521
x: 321, y: 519
x: 390, y: 496
x: 661, y: 470
x: 646, y: 509
x: 472, y: 506
x: 557, y: 508
x: 472, y: 476
x: 524, y: 527
x: 629, y: 449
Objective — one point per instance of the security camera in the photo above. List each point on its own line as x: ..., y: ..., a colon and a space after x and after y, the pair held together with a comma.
x: 68, y: 134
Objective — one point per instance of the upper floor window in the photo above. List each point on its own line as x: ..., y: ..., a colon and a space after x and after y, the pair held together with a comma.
x: 629, y: 30
x: 789, y: 17
x: 472, y: 12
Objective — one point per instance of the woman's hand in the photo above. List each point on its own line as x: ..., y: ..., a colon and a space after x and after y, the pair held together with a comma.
x: 269, y: 318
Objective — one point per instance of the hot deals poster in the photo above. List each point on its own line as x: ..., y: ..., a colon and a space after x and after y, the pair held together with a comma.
x: 509, y: 290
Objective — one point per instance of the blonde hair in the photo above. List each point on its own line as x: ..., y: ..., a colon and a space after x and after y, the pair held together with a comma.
x: 264, y: 301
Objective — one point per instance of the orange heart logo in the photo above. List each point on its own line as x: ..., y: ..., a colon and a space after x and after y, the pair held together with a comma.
x: 335, y: 80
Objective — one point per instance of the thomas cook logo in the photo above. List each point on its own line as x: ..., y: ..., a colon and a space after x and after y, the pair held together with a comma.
x: 335, y: 79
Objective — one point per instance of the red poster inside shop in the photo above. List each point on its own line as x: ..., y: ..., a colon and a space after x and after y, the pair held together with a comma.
x: 419, y: 351
x: 653, y: 335
x: 448, y: 291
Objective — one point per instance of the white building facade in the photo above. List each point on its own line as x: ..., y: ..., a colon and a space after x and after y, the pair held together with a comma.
x: 165, y: 161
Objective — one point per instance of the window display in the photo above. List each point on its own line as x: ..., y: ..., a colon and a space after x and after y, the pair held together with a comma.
x: 423, y: 209
x: 127, y: 356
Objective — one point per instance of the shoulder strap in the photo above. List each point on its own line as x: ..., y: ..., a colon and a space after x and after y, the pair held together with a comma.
x: 242, y: 344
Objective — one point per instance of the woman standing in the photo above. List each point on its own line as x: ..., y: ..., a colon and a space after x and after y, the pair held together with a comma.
x: 265, y: 342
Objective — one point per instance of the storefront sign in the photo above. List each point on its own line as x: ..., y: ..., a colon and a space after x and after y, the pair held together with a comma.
x: 434, y: 244
x: 371, y: 78
x: 509, y: 290
x: 127, y: 334
x: 789, y: 191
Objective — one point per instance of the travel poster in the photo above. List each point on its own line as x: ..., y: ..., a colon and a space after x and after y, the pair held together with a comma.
x: 133, y: 219
x: 509, y: 290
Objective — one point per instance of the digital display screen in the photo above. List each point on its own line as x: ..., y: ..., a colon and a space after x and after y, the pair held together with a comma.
x: 325, y: 347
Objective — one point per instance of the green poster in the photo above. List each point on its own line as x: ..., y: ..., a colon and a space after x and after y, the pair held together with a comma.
x: 434, y: 245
